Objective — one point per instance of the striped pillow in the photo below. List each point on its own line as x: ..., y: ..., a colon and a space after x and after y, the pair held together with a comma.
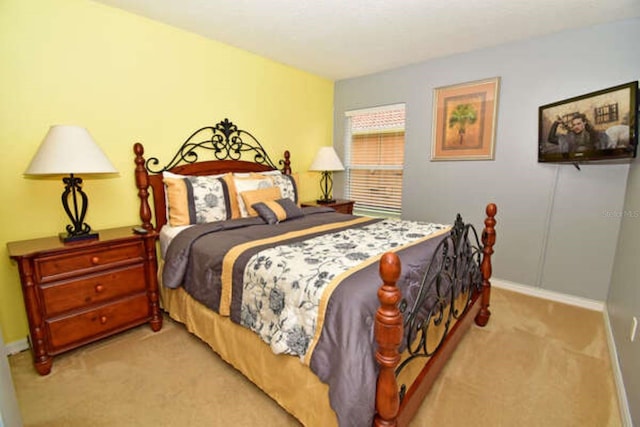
x: 197, y: 200
x: 275, y: 211
x: 252, y: 197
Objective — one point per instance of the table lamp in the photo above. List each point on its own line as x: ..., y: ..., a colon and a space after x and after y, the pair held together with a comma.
x: 326, y: 161
x: 70, y: 150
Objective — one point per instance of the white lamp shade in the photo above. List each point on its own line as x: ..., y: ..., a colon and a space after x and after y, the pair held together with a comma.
x: 69, y: 150
x: 326, y: 160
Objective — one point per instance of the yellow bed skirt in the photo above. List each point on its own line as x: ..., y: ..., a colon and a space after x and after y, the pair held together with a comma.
x: 284, y: 378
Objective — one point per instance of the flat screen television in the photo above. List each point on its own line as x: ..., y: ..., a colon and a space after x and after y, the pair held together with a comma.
x: 597, y: 126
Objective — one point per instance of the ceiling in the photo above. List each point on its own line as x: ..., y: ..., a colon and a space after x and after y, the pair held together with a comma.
x: 339, y: 39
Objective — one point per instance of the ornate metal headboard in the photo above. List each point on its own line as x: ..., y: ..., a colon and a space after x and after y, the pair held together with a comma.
x: 233, y: 150
x: 226, y: 142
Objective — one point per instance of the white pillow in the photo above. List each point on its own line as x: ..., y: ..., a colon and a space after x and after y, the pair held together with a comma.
x: 249, y: 174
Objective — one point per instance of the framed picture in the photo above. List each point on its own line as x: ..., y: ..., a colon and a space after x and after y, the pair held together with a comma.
x: 600, y: 125
x: 464, y: 120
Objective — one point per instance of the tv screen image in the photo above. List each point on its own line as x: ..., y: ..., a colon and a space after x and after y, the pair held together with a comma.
x: 596, y: 126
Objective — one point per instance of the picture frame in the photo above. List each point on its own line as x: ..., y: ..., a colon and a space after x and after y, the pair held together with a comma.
x: 464, y: 120
x: 597, y: 126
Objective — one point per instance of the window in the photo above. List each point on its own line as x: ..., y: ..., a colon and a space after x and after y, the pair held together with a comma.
x: 374, y: 158
x: 606, y: 114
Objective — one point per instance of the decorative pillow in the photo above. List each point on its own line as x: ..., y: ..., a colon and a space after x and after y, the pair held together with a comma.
x: 248, y: 184
x: 233, y: 195
x: 167, y: 174
x: 197, y: 199
x: 262, y: 195
x: 275, y: 211
x: 288, y: 185
x: 228, y: 177
x: 258, y: 174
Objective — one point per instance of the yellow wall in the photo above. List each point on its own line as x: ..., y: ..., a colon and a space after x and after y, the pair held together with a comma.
x: 128, y: 79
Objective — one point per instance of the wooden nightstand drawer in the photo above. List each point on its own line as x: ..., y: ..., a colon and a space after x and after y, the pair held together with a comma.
x: 65, y: 296
x: 77, y: 293
x: 57, y: 267
x: 93, y: 324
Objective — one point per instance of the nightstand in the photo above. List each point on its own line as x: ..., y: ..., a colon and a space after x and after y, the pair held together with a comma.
x: 81, y: 292
x: 340, y: 205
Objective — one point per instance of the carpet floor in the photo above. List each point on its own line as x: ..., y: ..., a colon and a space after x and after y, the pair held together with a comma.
x: 537, y: 363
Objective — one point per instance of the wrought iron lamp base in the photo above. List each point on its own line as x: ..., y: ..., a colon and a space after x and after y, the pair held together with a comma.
x: 326, y: 185
x: 325, y: 201
x: 78, y: 230
x: 69, y: 238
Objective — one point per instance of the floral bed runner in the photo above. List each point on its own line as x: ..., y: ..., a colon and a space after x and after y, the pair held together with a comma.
x: 286, y: 288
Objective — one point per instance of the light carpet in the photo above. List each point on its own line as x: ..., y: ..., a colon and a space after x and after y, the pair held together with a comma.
x: 537, y: 363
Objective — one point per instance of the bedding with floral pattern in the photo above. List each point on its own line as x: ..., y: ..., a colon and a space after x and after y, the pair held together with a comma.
x: 308, y: 285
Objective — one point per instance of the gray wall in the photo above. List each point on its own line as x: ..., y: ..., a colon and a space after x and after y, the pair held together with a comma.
x: 624, y: 295
x: 558, y: 227
x: 553, y: 227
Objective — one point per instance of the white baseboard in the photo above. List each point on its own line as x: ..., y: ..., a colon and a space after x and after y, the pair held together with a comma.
x: 16, y: 346
x: 623, y: 403
x: 587, y: 303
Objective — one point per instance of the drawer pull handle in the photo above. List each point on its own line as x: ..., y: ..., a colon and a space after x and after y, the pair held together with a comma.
x: 95, y: 260
x: 99, y: 288
x: 103, y: 319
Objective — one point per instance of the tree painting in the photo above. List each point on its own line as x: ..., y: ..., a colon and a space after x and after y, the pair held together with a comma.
x: 462, y: 116
x: 464, y: 120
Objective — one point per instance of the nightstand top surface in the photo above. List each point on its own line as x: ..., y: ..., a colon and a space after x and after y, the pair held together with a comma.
x: 52, y: 243
x: 336, y: 202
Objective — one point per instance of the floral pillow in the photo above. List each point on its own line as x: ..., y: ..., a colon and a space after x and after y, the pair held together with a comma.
x: 243, y: 184
x: 197, y: 200
x: 288, y: 184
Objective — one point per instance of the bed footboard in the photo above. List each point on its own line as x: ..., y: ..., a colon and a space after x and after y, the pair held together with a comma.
x: 462, y: 261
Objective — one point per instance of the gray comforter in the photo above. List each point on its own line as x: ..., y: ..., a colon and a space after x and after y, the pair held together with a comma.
x: 343, y: 356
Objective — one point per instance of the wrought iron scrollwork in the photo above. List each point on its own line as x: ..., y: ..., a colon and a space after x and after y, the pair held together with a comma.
x: 225, y: 140
x: 73, y: 191
x: 443, y: 295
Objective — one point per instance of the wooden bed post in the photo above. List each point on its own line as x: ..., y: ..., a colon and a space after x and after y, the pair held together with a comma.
x: 151, y: 271
x: 488, y: 240
x: 142, y: 182
x: 388, y: 333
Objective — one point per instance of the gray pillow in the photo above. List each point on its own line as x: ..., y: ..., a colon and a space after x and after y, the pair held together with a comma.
x: 275, y: 211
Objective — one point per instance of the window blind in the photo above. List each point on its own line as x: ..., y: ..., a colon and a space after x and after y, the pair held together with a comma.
x: 374, y: 160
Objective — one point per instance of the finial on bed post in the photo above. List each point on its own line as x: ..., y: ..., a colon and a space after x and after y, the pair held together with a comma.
x: 142, y: 182
x: 286, y: 163
x: 388, y: 334
x: 488, y: 240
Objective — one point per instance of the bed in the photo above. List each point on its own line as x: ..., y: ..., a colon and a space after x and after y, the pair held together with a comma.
x: 292, y: 297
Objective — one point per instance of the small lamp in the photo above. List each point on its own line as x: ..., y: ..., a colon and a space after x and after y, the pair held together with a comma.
x: 70, y: 150
x: 326, y: 161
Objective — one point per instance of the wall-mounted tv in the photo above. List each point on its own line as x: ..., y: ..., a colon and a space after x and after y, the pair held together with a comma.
x: 598, y: 126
